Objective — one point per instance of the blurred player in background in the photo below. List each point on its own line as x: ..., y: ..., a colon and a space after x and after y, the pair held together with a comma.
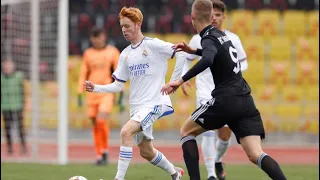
x: 213, y: 153
x: 145, y: 64
x: 12, y: 102
x: 99, y: 61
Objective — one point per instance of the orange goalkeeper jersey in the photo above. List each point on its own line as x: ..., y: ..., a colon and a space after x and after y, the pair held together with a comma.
x: 97, y: 66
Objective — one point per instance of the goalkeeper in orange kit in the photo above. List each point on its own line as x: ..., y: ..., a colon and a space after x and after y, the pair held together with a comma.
x: 99, y: 61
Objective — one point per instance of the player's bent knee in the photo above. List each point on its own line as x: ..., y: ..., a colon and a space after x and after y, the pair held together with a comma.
x: 254, y: 156
x: 224, y: 133
x: 125, y: 133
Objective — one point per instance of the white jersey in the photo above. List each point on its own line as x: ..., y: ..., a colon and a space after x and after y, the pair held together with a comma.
x: 204, y: 80
x: 145, y: 66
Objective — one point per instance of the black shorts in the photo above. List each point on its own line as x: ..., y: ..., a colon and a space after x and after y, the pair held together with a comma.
x: 238, y: 112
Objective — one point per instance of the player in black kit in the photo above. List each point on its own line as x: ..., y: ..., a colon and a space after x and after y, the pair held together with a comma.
x: 231, y: 102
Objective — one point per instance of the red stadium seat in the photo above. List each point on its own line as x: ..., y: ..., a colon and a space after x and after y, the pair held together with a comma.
x: 104, y: 4
x: 254, y: 4
x: 85, y: 24
x: 112, y: 26
x: 164, y: 24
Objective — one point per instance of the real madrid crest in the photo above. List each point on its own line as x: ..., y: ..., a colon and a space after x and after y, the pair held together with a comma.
x: 144, y: 53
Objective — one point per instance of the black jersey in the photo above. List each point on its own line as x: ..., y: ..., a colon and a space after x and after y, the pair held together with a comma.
x: 219, y: 54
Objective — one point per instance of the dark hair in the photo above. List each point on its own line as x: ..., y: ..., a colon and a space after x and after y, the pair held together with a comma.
x: 219, y: 4
x: 95, y: 32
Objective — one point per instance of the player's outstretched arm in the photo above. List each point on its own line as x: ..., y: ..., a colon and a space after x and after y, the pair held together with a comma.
x: 208, y: 53
x: 114, y: 87
x: 178, y: 69
x: 186, y: 67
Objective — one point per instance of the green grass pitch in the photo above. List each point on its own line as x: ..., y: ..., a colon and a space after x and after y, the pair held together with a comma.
x: 23, y: 171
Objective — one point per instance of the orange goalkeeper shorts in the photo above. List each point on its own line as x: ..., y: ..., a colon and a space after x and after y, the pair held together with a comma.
x: 104, y: 104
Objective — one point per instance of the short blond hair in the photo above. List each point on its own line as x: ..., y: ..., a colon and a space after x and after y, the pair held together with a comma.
x: 202, y: 10
x: 134, y: 14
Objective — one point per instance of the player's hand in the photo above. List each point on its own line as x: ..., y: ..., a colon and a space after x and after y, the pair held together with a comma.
x: 184, y: 87
x: 184, y: 47
x: 171, y: 87
x: 89, y: 86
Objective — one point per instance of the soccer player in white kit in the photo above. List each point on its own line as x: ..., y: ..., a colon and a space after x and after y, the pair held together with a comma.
x: 145, y: 64
x: 204, y: 86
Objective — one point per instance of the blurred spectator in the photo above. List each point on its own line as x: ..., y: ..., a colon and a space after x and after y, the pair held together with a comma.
x: 12, y: 102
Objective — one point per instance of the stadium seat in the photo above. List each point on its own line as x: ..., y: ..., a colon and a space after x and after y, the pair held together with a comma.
x: 311, y: 116
x: 255, y: 50
x: 289, y: 117
x: 307, y: 48
x: 268, y: 23
x: 312, y: 94
x: 112, y: 25
x: 186, y: 25
x: 100, y: 5
x: 313, y: 24
x: 266, y: 93
x: 280, y: 48
x: 242, y: 23
x: 254, y: 4
x: 267, y: 115
x: 153, y: 35
x: 164, y: 24
x: 280, y: 72
x: 85, y: 24
x: 74, y: 48
x: 278, y: 5
x: 293, y: 23
x: 292, y: 93
x: 306, y: 72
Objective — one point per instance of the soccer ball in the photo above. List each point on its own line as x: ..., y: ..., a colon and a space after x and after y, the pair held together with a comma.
x: 78, y: 178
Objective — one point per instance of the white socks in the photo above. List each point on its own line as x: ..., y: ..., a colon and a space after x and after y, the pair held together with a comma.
x: 209, y: 152
x: 162, y: 162
x: 125, y: 157
x: 221, y: 147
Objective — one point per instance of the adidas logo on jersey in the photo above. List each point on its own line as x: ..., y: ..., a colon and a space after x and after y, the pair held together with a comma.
x: 201, y: 120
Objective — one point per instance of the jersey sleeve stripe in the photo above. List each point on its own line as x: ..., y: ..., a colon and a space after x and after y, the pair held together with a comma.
x: 189, y: 59
x: 174, y: 52
x: 243, y: 59
x: 115, y: 77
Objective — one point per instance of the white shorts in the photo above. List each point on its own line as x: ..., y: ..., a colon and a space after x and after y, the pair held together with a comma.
x: 147, y: 117
x: 201, y: 101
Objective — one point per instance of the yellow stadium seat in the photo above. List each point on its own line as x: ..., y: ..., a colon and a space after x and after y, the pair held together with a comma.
x: 176, y: 38
x: 289, y: 117
x: 280, y: 48
x: 307, y: 48
x: 267, y: 115
x: 266, y: 93
x: 242, y: 22
x: 313, y: 93
x: 255, y: 50
x: 293, y: 23
x: 292, y: 93
x: 313, y: 24
x: 311, y: 123
x: 279, y: 72
x: 306, y: 72
x: 268, y: 23
x: 153, y: 35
